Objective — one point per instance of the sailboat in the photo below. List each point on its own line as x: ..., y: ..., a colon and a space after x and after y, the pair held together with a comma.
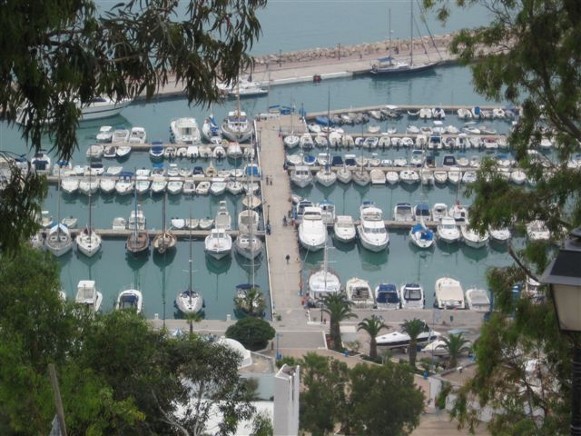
x: 388, y: 65
x: 138, y: 240
x: 324, y: 281
x: 59, y: 240
x: 247, y: 244
x: 189, y: 300
x: 88, y: 241
x: 165, y: 240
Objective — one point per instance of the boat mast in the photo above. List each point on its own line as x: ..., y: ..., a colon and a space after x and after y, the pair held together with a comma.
x: 411, y: 33
x: 90, y: 229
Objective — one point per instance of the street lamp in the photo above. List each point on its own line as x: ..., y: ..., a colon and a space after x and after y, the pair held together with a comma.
x: 563, y: 276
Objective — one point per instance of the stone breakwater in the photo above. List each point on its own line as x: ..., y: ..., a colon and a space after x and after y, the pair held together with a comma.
x: 421, y: 46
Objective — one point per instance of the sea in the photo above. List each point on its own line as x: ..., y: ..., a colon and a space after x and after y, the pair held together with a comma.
x: 287, y: 26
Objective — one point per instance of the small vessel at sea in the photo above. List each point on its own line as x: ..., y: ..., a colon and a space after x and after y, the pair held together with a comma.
x: 387, y: 296
x: 184, y: 131
x: 301, y: 176
x: 447, y: 230
x: 138, y: 240
x: 359, y: 292
x: 323, y: 281
x: 130, y: 299
x: 402, y: 339
x: 344, y: 228
x: 88, y: 295
x: 412, y: 296
x: 449, y: 294
x: 165, y: 240
x: 237, y: 127
x: 218, y: 244
x: 189, y: 300
x: 472, y: 238
x: 371, y: 228
x: 421, y: 236
x: 312, y: 229
x: 477, y: 299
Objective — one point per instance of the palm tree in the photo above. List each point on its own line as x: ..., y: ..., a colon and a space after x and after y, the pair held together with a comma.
x: 191, y: 318
x: 339, y: 309
x: 250, y: 301
x: 455, y: 345
x: 372, y: 326
x: 413, y: 328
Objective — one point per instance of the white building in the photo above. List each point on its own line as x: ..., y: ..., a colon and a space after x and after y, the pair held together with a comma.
x: 286, y: 401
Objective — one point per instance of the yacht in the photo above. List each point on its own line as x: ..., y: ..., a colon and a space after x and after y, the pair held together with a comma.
x: 412, y: 296
x: 248, y: 245
x: 218, y: 244
x: 501, y: 234
x: 402, y: 340
x: 344, y: 228
x: 59, y: 240
x: 130, y: 299
x: 103, y: 107
x: 447, y: 230
x: 344, y: 175
x: 312, y: 229
x: 237, y: 127
x: 371, y: 228
x: 387, y: 296
x: 421, y: 236
x: 439, y: 210
x: 248, y: 221
x: 449, y: 294
x: 478, y: 300
x: 459, y: 213
x: 223, y: 220
x: 323, y: 281
x: 325, y: 176
x: 472, y: 238
x: 211, y: 131
x: 359, y: 292
x: 403, y: 212
x: 537, y: 230
x: 184, y: 131
x: 301, y: 176
x: 87, y: 294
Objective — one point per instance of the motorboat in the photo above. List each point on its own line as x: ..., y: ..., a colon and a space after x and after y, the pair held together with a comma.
x: 103, y: 107
x: 387, y: 296
x: 248, y: 221
x: 403, y: 212
x: 185, y: 131
x: 89, y: 185
x: 291, y: 141
x: 203, y: 188
x: 371, y: 228
x: 125, y: 184
x: 344, y: 228
x: 156, y: 151
x: 223, y: 220
x: 206, y: 223
x: 537, y: 230
x: 312, y: 229
x: 377, y: 176
x: 472, y: 237
x: 439, y: 210
x: 500, y: 234
x: 218, y: 244
x: 392, y: 177
x: 409, y: 176
x: 251, y: 201
x: 403, y: 340
x: 299, y: 209
x: 359, y: 292
x: 422, y: 211
x: 174, y: 185
x: 421, y: 236
x: 448, y: 294
x: 248, y: 246
x: 211, y: 131
x: 158, y: 184
x: 70, y: 185
x: 477, y: 299
x: 440, y: 176
x: 130, y: 299
x: 459, y: 213
x: 237, y: 127
x: 244, y: 88
x: 447, y: 230
x: 301, y: 176
x: 119, y: 223
x: 327, y: 212
x: 412, y: 296
x: 105, y: 134
x: 88, y: 295
x: 120, y: 135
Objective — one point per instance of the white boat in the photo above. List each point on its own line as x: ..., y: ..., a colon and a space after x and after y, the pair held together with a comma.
x: 291, y: 141
x: 218, y: 186
x: 439, y: 210
x: 110, y: 151
x: 218, y: 244
x: 103, y: 107
x: 88, y: 295
x: 448, y: 294
x: 184, y: 131
x: 447, y: 230
x: 89, y: 241
x: 361, y: 177
x: 130, y: 299
x: 175, y: 186
x: 459, y: 213
x: 223, y: 220
x: 123, y: 150
x: 472, y: 238
x: 164, y: 240
x: 403, y: 212
x: 119, y: 223
x: 325, y: 176
x: 478, y: 300
x: 312, y: 229
x: 344, y: 175
x: 402, y: 340
x: 120, y: 135
x: 440, y: 176
x: 377, y: 176
x: 234, y: 187
x: 387, y: 296
x: 138, y: 240
x: 537, y: 230
x: 125, y: 184
x: 211, y: 131
x: 105, y: 134
x: 237, y: 127
x: 412, y: 296
x: 142, y: 184
x: 189, y: 300
x: 251, y: 201
x: 70, y: 185
x: 248, y: 221
x: 323, y: 281
x: 59, y: 240
x: 392, y: 177
x: 359, y: 292
x: 371, y: 228
x: 158, y: 184
x: 203, y: 188
x: 409, y: 176
x: 501, y: 235
x: 137, y: 135
x: 421, y: 236
x: 248, y: 246
x: 206, y: 223
x: 301, y: 176
x: 344, y: 228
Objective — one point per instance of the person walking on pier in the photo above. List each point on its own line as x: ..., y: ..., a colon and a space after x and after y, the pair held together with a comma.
x: 287, y: 257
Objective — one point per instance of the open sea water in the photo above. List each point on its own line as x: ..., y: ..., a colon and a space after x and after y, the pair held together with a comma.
x: 160, y: 278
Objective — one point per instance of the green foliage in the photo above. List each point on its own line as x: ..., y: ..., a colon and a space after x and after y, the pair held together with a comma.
x: 339, y: 309
x: 59, y: 55
x: 372, y: 326
x: 440, y: 401
x: 455, y: 345
x: 251, y: 302
x: 366, y: 400
x: 262, y: 425
x: 413, y: 328
x: 253, y: 333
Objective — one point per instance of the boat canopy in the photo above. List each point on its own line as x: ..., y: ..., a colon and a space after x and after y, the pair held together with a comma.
x: 387, y: 293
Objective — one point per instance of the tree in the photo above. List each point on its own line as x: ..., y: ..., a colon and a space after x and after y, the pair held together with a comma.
x: 528, y: 57
x: 58, y: 56
x: 339, y: 309
x: 253, y: 333
x: 372, y: 325
x: 383, y: 399
x: 455, y: 345
x: 251, y: 302
x: 413, y: 328
x: 191, y: 318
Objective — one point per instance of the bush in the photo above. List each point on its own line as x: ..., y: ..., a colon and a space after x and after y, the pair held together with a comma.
x: 253, y: 333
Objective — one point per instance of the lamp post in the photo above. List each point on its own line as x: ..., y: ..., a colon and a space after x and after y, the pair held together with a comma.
x: 277, y: 357
x: 563, y: 276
